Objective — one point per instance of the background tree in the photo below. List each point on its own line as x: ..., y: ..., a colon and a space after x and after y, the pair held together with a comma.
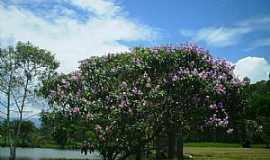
x: 259, y: 108
x: 62, y: 129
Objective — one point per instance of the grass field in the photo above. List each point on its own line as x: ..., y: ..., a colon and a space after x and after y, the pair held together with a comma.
x: 211, y: 151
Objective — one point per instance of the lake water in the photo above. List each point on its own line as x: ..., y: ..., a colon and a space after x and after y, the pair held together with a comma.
x: 47, y: 154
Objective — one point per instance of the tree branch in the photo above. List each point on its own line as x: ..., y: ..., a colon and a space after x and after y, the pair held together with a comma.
x: 2, y: 91
x: 16, y: 102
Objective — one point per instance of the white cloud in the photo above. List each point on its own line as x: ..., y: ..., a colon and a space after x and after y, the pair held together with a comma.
x: 228, y: 36
x: 255, y: 68
x: 70, y: 39
x: 264, y: 42
x: 261, y: 22
x: 99, y: 7
x: 220, y: 36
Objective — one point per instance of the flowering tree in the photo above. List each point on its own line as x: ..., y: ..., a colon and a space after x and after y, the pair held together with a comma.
x: 134, y: 98
x: 98, y: 95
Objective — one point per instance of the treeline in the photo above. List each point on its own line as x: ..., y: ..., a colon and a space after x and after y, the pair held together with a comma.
x: 46, y: 136
x: 29, y: 137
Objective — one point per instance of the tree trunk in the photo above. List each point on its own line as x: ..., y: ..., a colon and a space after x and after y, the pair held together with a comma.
x: 172, y: 144
x: 268, y: 145
x: 158, y: 153
x: 17, y: 134
x: 180, y: 146
x: 138, y: 155
x: 12, y: 149
x: 139, y: 151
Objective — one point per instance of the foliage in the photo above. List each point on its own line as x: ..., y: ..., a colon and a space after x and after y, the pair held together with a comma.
x: 63, y: 130
x: 259, y: 108
x: 28, y: 132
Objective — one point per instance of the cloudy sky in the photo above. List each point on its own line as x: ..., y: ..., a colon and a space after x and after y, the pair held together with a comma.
x: 237, y: 30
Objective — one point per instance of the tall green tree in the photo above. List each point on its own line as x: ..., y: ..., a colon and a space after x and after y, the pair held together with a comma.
x: 22, y: 70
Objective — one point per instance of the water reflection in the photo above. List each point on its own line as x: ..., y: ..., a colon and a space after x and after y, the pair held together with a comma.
x: 47, y: 154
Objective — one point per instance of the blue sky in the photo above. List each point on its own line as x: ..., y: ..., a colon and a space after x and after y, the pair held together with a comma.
x: 237, y: 30
x: 193, y: 15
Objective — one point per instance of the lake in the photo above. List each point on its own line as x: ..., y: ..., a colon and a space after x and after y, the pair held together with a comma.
x: 47, y: 154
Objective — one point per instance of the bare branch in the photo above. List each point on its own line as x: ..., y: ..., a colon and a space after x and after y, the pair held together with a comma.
x: 17, y: 103
x: 2, y: 91
x: 11, y: 110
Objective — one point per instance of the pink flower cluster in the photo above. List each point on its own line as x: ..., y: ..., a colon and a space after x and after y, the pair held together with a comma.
x: 220, y: 89
x: 102, y: 133
x: 76, y: 110
x: 65, y: 83
x: 76, y: 76
x: 185, y: 47
x: 218, y: 121
x: 137, y: 61
x: 217, y: 106
x: 89, y: 116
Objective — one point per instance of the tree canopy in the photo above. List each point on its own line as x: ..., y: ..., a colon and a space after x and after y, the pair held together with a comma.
x: 132, y: 98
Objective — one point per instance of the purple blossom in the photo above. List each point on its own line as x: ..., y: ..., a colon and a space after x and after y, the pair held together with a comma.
x: 137, y: 61
x: 129, y: 110
x: 135, y: 90
x: 220, y: 105
x: 108, y: 129
x: 237, y: 82
x: 174, y: 77
x: 220, y: 89
x: 76, y: 75
x: 213, y: 106
x: 89, y: 116
x: 76, y: 110
x: 124, y: 103
x: 65, y: 83
x: 78, y: 93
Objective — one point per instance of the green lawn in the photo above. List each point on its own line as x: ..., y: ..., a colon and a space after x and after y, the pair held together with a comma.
x: 222, y: 145
x: 226, y: 153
